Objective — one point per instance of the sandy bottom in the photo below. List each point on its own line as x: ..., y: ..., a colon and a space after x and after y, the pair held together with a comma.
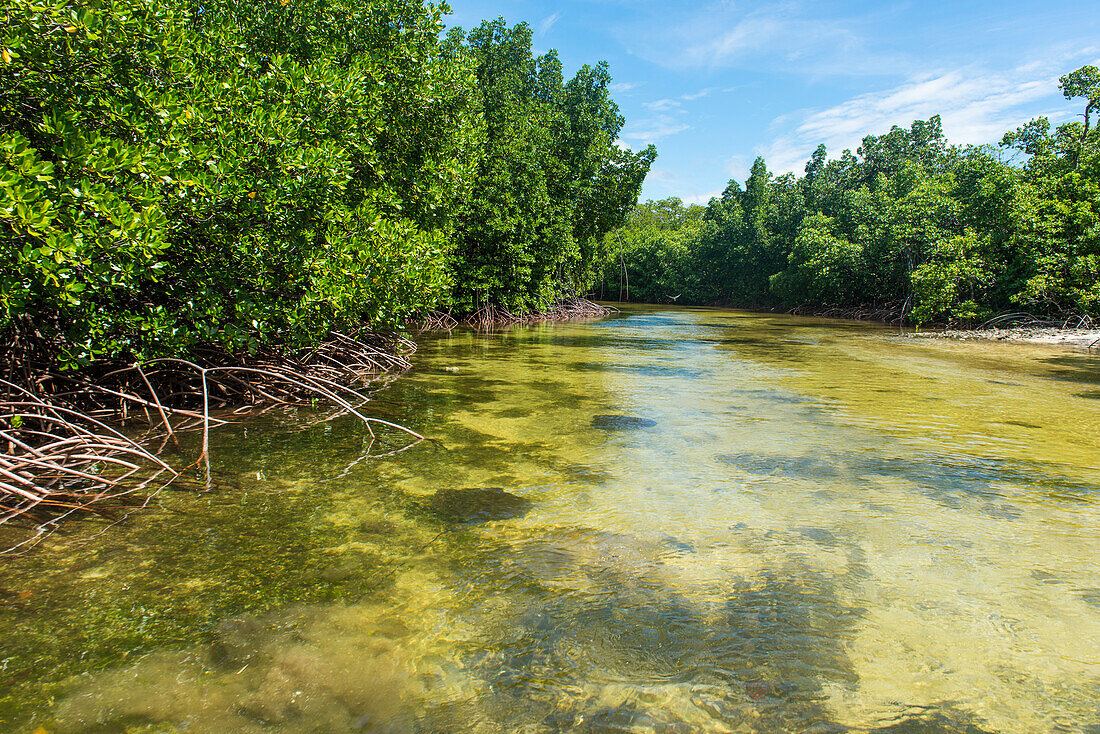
x: 1078, y: 338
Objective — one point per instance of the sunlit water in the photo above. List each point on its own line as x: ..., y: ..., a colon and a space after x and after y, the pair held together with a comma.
x: 827, y: 528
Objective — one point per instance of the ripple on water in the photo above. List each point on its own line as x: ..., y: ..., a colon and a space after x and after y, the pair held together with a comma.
x: 820, y: 557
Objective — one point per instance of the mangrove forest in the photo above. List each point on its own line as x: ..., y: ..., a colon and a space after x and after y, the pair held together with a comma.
x: 347, y: 385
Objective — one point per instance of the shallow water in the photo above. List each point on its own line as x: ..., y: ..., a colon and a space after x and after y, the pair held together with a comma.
x: 814, y: 526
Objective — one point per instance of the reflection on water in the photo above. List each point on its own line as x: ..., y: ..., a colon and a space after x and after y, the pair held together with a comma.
x: 672, y: 521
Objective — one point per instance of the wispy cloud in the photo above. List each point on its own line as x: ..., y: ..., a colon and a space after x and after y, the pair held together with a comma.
x: 666, y: 118
x: 977, y: 106
x: 548, y: 22
x: 654, y: 128
x: 663, y: 176
x: 623, y: 87
x: 665, y: 182
x: 662, y: 105
x: 702, y: 198
x: 698, y: 95
x: 788, y: 35
x: 738, y: 168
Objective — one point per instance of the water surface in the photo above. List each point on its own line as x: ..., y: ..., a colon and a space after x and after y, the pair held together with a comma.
x: 675, y: 520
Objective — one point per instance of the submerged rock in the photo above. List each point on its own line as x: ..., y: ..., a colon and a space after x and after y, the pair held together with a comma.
x: 820, y: 535
x: 477, y: 505
x: 305, y: 669
x: 337, y: 572
x: 679, y: 545
x: 377, y: 527
x: 621, y: 422
x: 235, y: 641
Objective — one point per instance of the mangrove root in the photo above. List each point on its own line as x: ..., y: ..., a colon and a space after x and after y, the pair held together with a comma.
x: 566, y: 309
x: 62, y: 445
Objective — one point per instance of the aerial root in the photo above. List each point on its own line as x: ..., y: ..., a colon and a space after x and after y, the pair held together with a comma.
x: 887, y: 314
x: 1031, y: 321
x: 60, y: 455
x: 438, y: 320
x: 566, y: 309
x: 56, y: 460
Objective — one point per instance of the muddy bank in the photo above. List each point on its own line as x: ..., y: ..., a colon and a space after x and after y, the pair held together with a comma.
x: 1076, y: 338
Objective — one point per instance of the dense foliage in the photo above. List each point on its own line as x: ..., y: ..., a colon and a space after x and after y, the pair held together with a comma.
x: 909, y: 223
x: 229, y: 173
x: 552, y: 178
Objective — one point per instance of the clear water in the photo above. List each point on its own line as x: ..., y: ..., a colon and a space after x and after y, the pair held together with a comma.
x: 827, y: 528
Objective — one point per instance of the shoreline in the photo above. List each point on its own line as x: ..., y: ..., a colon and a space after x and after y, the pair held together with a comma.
x: 46, y: 413
x: 1079, y: 339
x: 1054, y: 336
x: 1083, y: 339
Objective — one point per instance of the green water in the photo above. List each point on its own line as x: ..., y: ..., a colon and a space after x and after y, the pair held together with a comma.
x: 827, y: 528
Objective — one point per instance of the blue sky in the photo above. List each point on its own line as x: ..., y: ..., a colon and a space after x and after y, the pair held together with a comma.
x: 715, y: 84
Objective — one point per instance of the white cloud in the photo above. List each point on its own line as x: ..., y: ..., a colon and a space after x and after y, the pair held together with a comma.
x: 548, y: 22
x: 787, y: 35
x: 662, y: 183
x: 666, y: 119
x: 738, y: 168
x: 698, y: 95
x: 676, y: 105
x: 653, y: 129
x: 623, y: 87
x: 702, y: 198
x: 662, y: 105
x: 662, y: 175
x: 977, y: 106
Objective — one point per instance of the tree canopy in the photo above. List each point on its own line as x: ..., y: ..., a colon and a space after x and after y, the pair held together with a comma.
x: 239, y: 174
x: 908, y: 223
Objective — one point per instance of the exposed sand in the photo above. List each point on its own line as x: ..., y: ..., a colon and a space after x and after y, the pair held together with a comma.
x: 1078, y: 338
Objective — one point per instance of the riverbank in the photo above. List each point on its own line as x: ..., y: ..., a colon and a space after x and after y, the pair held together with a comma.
x: 1029, y: 332
x: 1076, y: 338
x: 84, y: 441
